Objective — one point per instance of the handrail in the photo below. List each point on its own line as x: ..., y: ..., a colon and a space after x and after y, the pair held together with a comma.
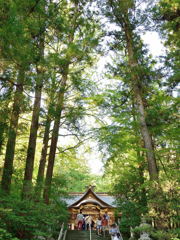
x: 61, y: 232
x: 64, y: 236
x: 90, y: 233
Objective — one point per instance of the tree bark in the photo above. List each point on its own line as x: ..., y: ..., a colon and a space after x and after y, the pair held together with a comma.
x: 12, y: 133
x: 143, y: 194
x: 54, y: 138
x: 27, y: 184
x: 141, y: 163
x: 122, y: 17
x: 135, y: 83
x: 42, y: 163
x: 3, y: 127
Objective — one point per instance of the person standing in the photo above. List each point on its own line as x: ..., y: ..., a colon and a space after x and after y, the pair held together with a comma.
x: 99, y: 225
x: 107, y: 217
x: 80, y: 219
x: 104, y: 225
x: 115, y: 233
x: 88, y: 222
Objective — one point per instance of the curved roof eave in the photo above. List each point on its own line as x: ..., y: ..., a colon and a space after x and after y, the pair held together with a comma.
x: 90, y: 201
x: 90, y: 190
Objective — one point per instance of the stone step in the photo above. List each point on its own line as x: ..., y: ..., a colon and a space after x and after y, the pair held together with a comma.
x: 84, y: 235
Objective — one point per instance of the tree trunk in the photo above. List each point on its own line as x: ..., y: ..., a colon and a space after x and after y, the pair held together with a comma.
x: 152, y: 166
x: 42, y: 163
x: 54, y: 138
x: 135, y: 82
x: 27, y: 185
x: 143, y: 194
x: 10, y: 147
x: 3, y: 127
x: 141, y: 161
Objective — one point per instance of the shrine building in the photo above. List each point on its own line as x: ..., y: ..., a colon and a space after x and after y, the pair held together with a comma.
x: 90, y: 203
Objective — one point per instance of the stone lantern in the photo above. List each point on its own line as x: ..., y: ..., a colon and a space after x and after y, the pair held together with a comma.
x: 144, y: 235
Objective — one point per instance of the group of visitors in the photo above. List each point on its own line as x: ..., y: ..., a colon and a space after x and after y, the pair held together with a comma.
x: 85, y: 222
x: 102, y: 225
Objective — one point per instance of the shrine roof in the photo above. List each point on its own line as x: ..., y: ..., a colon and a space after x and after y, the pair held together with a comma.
x: 78, y: 197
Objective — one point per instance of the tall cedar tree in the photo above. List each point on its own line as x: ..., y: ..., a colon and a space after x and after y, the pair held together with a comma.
x: 121, y: 13
x: 42, y: 162
x: 50, y: 90
x: 55, y: 133
x: 58, y: 112
x: 16, y: 50
x: 39, y: 39
x: 80, y: 42
x: 10, y: 147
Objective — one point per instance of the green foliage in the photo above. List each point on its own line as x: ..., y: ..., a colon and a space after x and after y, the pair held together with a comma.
x: 26, y: 219
x: 120, y: 139
x: 144, y: 228
x: 72, y: 33
x: 162, y: 235
x: 130, y: 215
x: 72, y: 173
x: 167, y: 17
x: 155, y: 234
x: 4, y: 235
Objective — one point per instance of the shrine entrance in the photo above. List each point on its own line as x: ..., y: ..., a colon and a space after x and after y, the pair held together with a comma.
x: 90, y: 209
x: 90, y: 203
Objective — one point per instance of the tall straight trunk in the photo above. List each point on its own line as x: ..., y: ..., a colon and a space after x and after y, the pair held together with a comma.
x: 54, y: 138
x: 135, y: 82
x: 143, y: 194
x: 141, y: 161
x: 42, y: 163
x: 152, y: 165
x: 2, y: 135
x: 12, y: 133
x: 27, y: 184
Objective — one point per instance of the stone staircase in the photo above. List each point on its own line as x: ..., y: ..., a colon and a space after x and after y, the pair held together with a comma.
x: 84, y: 235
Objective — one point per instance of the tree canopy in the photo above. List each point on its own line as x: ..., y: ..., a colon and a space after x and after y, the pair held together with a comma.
x: 75, y: 74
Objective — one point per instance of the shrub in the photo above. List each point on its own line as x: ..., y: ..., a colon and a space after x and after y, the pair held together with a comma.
x: 26, y: 219
x: 163, y: 235
x: 143, y: 228
x: 4, y: 235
